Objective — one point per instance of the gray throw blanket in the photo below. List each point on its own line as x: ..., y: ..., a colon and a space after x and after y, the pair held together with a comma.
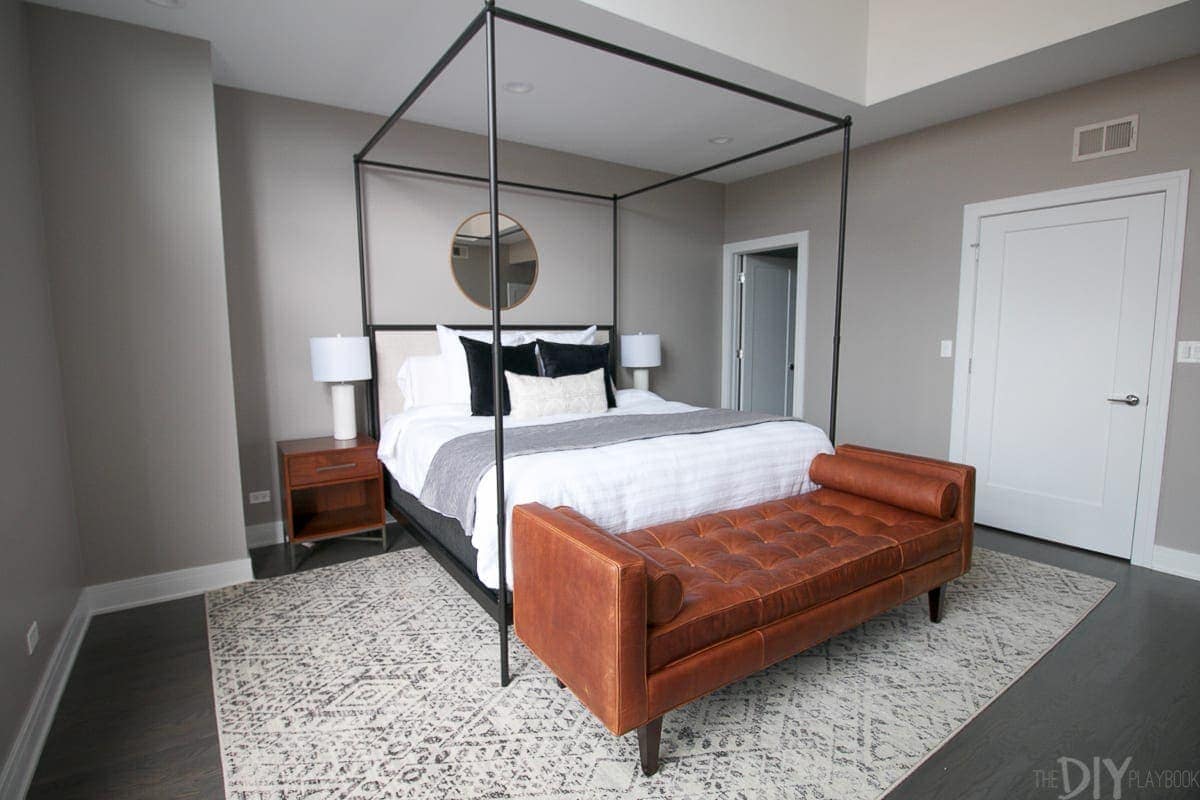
x: 460, y: 463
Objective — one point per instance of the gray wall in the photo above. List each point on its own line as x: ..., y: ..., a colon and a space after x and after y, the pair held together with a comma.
x: 291, y: 255
x: 128, y: 158
x: 902, y: 257
x: 40, y: 570
x: 670, y: 283
x: 411, y: 222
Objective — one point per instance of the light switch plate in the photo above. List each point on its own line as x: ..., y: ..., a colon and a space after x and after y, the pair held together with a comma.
x: 1188, y: 353
x: 260, y: 497
x: 947, y: 348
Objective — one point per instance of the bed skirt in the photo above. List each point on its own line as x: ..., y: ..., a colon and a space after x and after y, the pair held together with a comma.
x: 445, y: 530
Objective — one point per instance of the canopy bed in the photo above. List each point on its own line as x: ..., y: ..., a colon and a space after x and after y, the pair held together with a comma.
x: 392, y: 345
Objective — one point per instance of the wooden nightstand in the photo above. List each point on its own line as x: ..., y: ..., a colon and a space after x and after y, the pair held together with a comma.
x: 329, y: 488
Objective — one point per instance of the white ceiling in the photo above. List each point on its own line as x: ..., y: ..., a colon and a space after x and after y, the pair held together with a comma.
x: 917, y: 43
x: 820, y: 43
x: 872, y: 50
x: 367, y: 54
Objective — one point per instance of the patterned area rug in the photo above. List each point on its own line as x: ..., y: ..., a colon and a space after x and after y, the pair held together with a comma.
x: 378, y: 679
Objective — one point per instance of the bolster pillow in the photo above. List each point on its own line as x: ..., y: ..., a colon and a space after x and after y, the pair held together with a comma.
x: 933, y: 497
x: 664, y: 592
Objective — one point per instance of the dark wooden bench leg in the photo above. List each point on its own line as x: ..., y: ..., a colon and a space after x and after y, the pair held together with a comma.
x: 649, y: 735
x: 935, y: 604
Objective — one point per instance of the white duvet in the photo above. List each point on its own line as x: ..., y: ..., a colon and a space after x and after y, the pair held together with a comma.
x: 620, y: 487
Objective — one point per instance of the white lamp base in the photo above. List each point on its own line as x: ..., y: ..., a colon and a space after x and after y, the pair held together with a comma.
x: 345, y: 424
x: 641, y: 379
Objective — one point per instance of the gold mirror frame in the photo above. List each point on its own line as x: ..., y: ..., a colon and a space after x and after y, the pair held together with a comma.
x: 537, y: 261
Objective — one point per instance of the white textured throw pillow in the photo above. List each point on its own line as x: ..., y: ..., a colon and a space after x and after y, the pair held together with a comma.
x: 532, y: 396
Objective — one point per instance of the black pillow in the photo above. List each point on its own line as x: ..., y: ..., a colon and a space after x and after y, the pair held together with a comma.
x: 577, y: 359
x: 520, y: 359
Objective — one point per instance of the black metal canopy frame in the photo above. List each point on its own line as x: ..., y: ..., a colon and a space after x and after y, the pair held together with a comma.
x: 486, y: 20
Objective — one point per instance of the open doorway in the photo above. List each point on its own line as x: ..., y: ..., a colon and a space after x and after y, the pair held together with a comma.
x: 767, y: 331
x: 766, y: 287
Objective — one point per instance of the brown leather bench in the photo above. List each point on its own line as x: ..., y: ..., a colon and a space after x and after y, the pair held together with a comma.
x: 641, y: 623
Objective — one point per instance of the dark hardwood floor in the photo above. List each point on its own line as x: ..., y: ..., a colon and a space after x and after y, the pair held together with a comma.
x: 268, y: 562
x: 1124, y: 683
x: 137, y: 718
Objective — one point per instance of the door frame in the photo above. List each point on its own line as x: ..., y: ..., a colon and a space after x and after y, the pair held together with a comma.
x: 1174, y: 186
x: 731, y: 251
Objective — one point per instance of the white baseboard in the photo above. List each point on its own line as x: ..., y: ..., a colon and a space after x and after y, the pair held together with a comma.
x: 22, y: 759
x: 264, y: 534
x: 1177, y: 562
x: 164, y: 586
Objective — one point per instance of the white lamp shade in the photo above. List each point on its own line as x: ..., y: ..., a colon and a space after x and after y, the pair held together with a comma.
x: 340, y: 358
x: 641, y: 350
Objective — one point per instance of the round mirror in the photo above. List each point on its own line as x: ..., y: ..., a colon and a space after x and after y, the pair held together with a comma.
x: 471, y: 260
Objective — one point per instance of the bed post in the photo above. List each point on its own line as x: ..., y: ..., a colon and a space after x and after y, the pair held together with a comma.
x: 837, y: 299
x: 613, y: 339
x: 372, y: 416
x: 497, y: 350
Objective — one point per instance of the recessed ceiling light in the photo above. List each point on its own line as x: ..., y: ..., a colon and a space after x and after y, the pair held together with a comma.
x: 518, y: 87
x: 166, y: 3
x: 721, y: 139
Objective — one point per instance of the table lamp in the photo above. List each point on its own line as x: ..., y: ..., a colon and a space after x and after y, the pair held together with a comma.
x: 337, y: 360
x: 639, y: 352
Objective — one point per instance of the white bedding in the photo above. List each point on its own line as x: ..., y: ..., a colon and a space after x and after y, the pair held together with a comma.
x: 620, y: 487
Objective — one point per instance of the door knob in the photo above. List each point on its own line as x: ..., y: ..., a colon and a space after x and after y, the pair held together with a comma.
x: 1129, y: 399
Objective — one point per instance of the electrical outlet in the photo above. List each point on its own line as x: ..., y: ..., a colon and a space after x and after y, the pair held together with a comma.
x: 1189, y: 353
x: 260, y: 497
x: 31, y: 637
x: 947, y: 348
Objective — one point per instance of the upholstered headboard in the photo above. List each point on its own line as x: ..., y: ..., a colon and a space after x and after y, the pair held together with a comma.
x: 393, y: 345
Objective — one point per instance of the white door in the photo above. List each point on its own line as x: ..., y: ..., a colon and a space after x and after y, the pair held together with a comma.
x: 768, y: 316
x: 1060, y: 363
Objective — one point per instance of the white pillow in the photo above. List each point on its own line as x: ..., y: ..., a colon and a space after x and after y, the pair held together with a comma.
x: 456, y: 356
x: 582, y: 336
x: 532, y: 396
x: 425, y: 381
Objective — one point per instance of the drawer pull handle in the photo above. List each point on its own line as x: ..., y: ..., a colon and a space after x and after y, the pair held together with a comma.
x: 336, y: 466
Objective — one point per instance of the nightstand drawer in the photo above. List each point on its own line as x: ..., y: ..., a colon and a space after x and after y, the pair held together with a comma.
x: 331, y: 466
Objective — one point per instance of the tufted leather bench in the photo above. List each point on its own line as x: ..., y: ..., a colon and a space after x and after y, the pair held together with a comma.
x: 639, y: 623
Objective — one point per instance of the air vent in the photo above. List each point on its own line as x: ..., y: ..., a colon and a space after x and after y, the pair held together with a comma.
x: 1106, y: 138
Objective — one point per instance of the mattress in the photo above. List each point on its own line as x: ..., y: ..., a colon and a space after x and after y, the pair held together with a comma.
x: 621, y: 487
x: 444, y: 530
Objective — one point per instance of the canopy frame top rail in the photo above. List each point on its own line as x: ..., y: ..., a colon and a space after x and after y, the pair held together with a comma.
x: 479, y: 21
